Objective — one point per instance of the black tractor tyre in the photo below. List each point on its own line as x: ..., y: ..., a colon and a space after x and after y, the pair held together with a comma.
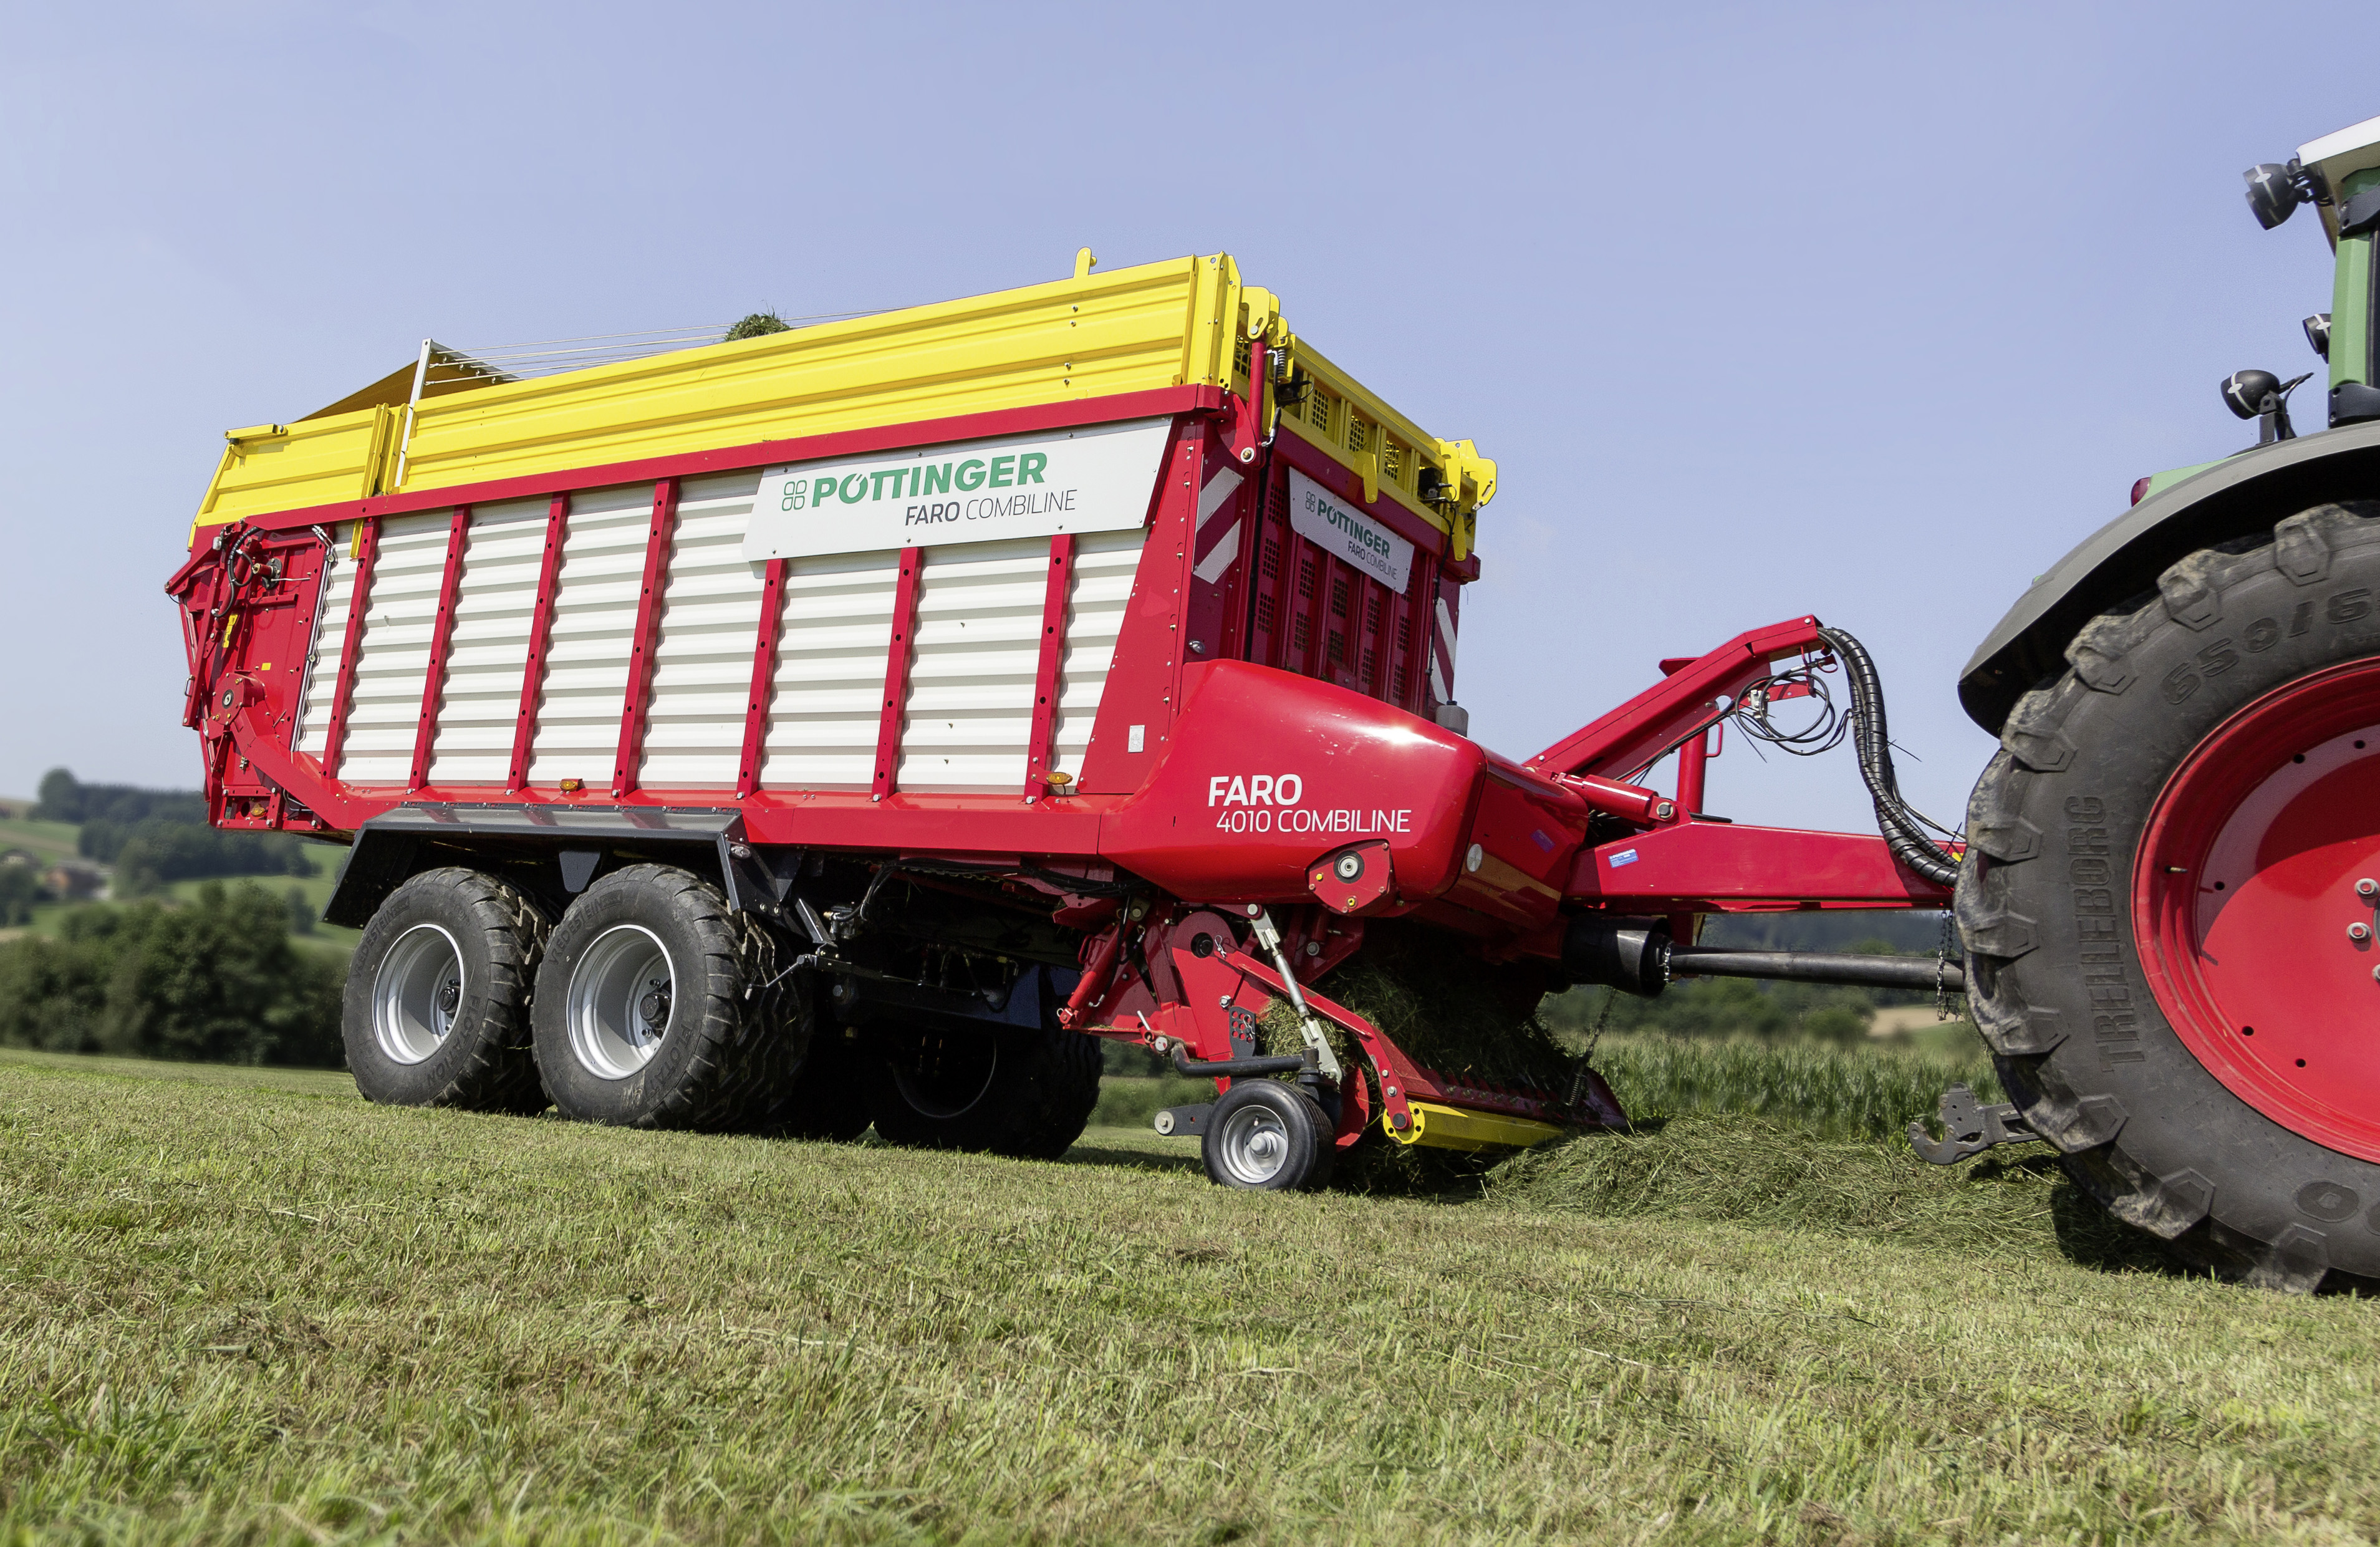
x: 659, y: 1006
x: 1269, y: 1136
x: 2044, y: 903
x: 828, y: 1097
x: 436, y: 1008
x: 1026, y: 1092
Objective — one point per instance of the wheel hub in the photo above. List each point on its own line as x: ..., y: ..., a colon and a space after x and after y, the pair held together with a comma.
x: 1253, y: 1145
x: 618, y: 1002
x: 2255, y: 892
x: 416, y: 995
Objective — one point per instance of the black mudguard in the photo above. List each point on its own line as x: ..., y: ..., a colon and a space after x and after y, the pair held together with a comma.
x: 2122, y: 560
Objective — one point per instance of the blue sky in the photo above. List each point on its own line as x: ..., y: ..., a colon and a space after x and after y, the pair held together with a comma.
x: 1870, y: 312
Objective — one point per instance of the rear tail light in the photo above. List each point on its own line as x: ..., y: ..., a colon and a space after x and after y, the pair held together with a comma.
x: 2140, y: 490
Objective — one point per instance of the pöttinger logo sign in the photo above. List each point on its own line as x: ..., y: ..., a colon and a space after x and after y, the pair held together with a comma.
x: 1099, y: 478
x: 1347, y: 533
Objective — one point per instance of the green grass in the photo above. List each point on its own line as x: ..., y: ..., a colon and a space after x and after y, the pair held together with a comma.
x: 244, y: 1306
x: 1129, y: 1102
x: 1862, y: 1092
x: 48, y: 842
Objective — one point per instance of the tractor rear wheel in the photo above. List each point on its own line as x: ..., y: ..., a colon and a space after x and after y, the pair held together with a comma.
x: 2169, y: 905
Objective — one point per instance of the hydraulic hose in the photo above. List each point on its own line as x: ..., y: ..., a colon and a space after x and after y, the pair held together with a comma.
x: 1905, y: 831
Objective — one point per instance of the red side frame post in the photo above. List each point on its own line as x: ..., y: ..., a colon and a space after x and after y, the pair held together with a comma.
x: 896, y: 672
x: 641, y: 654
x: 367, y: 548
x: 764, y: 677
x: 442, y: 639
x: 1054, y: 654
x: 540, y: 639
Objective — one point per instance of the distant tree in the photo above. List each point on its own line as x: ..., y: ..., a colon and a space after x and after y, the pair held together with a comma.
x: 218, y: 981
x: 1722, y: 1007
x: 61, y: 798
x: 19, y: 889
x: 301, y: 912
x: 149, y: 853
x: 64, y: 798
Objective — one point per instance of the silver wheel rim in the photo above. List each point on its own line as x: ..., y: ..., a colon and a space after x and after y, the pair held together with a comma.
x: 1253, y: 1145
x: 622, y: 994
x: 417, y: 995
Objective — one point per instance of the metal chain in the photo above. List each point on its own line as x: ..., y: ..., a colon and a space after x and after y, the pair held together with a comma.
x: 1594, y: 1039
x: 1942, y: 994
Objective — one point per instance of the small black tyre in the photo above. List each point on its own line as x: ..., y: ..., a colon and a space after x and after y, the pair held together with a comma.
x: 436, y: 1009
x: 659, y: 1006
x: 2076, y: 898
x: 1270, y: 1137
x: 1026, y: 1092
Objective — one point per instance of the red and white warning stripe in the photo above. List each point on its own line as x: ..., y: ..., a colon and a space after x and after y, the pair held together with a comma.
x: 1217, y: 559
x: 1442, y: 654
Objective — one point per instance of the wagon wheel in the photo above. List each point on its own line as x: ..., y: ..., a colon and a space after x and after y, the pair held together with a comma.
x: 1269, y: 1136
x: 435, y: 1012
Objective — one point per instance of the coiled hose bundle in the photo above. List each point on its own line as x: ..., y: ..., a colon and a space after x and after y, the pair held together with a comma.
x: 1908, y: 832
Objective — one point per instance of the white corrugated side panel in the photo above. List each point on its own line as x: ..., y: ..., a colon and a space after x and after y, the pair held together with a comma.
x: 594, y: 628
x: 710, y: 624
x: 828, y: 692
x: 1104, y: 564
x: 496, y: 604
x: 329, y: 638
x: 394, y: 651
x: 978, y: 645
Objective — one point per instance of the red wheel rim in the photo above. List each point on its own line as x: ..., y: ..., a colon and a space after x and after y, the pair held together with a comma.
x: 2245, y: 895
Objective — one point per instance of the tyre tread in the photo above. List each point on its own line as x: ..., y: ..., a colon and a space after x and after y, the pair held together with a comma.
x: 2027, y: 1040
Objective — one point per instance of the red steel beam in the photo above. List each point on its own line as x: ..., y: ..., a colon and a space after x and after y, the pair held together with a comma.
x: 367, y: 548
x: 896, y: 671
x: 541, y: 641
x: 1053, y: 653
x: 1712, y: 867
x: 442, y: 638
x: 641, y: 654
x: 1639, y: 731
x: 764, y: 676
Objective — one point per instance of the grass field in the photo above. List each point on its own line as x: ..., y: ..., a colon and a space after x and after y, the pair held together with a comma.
x: 241, y: 1305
